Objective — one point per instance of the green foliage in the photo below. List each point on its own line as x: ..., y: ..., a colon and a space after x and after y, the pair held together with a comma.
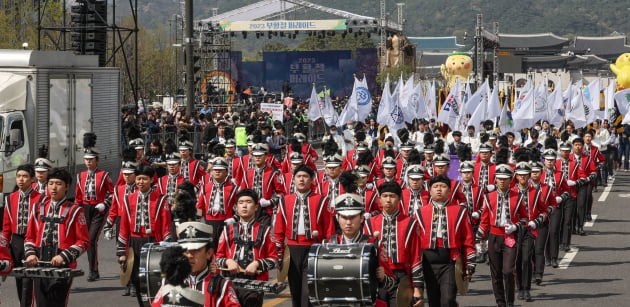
x: 349, y: 41
x: 394, y: 74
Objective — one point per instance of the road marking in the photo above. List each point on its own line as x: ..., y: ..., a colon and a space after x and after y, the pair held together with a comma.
x: 277, y: 301
x: 590, y: 224
x: 568, y: 257
x: 606, y: 191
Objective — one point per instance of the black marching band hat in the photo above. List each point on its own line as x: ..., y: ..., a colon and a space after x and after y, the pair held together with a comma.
x: 503, y: 171
x: 565, y: 146
x: 259, y: 149
x: 129, y: 167
x: 296, y: 158
x: 389, y: 162
x: 299, y: 136
x: 523, y: 168
x: 136, y: 143
x: 441, y: 159
x: 415, y: 171
x: 363, y: 170
x: 43, y: 164
x: 173, y: 158
x: 230, y: 143
x: 536, y: 166
x: 349, y: 204
x: 550, y: 154
x: 486, y: 147
x: 179, y: 296
x: 220, y: 163
x: 334, y: 160
x: 466, y: 166
x: 185, y: 144
x: 194, y: 235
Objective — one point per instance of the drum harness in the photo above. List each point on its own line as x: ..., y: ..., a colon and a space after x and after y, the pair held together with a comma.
x: 247, y: 244
x: 49, y: 245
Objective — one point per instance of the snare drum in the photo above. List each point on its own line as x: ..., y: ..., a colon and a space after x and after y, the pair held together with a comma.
x: 149, y: 271
x: 342, y: 274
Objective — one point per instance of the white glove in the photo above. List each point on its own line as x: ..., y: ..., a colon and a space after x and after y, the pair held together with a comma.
x: 100, y: 207
x: 571, y: 183
x: 369, y: 186
x: 558, y: 199
x: 108, y: 234
x: 475, y: 215
x: 531, y: 224
x: 491, y: 187
x: 265, y: 203
x: 510, y: 228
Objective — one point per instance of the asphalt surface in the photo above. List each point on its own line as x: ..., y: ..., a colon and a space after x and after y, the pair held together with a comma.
x: 594, y: 273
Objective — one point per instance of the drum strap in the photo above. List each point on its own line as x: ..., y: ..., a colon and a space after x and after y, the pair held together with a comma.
x: 249, y: 244
x: 215, y: 284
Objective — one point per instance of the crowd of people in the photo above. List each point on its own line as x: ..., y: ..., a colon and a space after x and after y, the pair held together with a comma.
x: 261, y: 197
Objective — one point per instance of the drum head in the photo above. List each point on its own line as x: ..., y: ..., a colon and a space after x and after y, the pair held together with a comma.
x: 404, y: 292
x: 462, y: 284
x: 125, y: 275
x: 284, y: 271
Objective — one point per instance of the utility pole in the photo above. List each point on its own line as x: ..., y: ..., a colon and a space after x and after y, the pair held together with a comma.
x: 188, y: 42
x: 479, y: 50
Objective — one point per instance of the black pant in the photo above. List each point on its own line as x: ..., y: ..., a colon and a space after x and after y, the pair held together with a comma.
x: 524, y: 260
x: 539, y: 249
x: 297, y: 275
x: 589, y: 201
x: 553, y: 238
x: 95, y: 222
x: 52, y: 292
x: 439, y: 277
x: 568, y: 215
x: 250, y: 297
x: 582, y: 203
x: 502, y: 263
x: 136, y: 244
x: 389, y: 295
x: 24, y: 285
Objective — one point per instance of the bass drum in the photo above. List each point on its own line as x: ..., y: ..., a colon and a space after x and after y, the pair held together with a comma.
x: 342, y: 275
x: 149, y: 271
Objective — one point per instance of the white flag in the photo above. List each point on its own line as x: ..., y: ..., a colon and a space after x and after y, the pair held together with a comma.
x: 451, y: 107
x: 328, y: 111
x: 609, y: 96
x: 506, y: 123
x: 431, y: 101
x: 364, y: 100
x: 395, y: 118
x: 575, y: 108
x: 591, y: 100
x: 540, y: 101
x: 405, y: 99
x: 523, y: 113
x: 494, y: 105
x: 421, y: 107
x: 623, y: 101
x: 314, y: 106
x: 383, y: 106
x: 555, y: 106
x: 478, y: 116
x: 351, y: 110
x: 480, y: 96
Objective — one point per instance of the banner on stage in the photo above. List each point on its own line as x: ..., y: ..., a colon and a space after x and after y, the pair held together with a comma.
x: 284, y: 25
x: 276, y: 110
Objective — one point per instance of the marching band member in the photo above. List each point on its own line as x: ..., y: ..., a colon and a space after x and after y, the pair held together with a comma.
x: 399, y: 249
x: 245, y: 247
x: 128, y: 173
x: 501, y: 216
x: 266, y: 181
x: 144, y: 218
x: 389, y: 167
x: 441, y: 165
x: 484, y: 173
x: 94, y: 192
x: 584, y: 190
x: 474, y: 202
x: 190, y: 168
x: 560, y: 190
x: 302, y: 219
x: 57, y: 232
x: 330, y: 184
x: 167, y: 184
x: 231, y: 157
x: 446, y: 232
x: 571, y: 173
x: 350, y: 209
x: 414, y: 196
x: 531, y: 199
x: 307, y: 150
x: 429, y: 153
x: 367, y: 191
x: 597, y: 159
x: 218, y: 197
x: 42, y: 167
x: 405, y: 151
x: 295, y: 159
x: 176, y: 269
x: 17, y: 208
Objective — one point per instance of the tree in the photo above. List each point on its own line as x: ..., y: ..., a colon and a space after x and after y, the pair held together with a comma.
x: 336, y: 41
x: 394, y: 73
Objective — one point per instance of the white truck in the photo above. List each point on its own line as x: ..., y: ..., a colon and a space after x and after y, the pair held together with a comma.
x: 52, y: 98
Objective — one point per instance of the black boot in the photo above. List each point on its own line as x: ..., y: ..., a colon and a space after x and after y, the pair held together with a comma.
x: 521, y: 294
x: 528, y: 296
x: 127, y: 291
x: 132, y: 291
x: 554, y: 263
x: 93, y: 276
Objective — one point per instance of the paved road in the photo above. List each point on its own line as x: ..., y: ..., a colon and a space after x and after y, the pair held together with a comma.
x: 596, y: 275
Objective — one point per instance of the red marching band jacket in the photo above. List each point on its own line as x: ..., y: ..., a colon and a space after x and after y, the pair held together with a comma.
x: 477, y: 172
x: 408, y: 256
x: 477, y: 200
x: 487, y: 223
x: 265, y: 251
x: 6, y: 261
x: 104, y: 188
x: 162, y: 185
x: 574, y: 173
x: 459, y: 230
x: 562, y: 188
x: 536, y: 208
x: 406, y: 199
x: 319, y: 217
x: 195, y: 171
x: 12, y: 209
x: 221, y: 293
x: 271, y: 185
x: 371, y: 200
x: 72, y: 231
x: 159, y: 219
x: 289, y: 187
x: 117, y: 200
x: 589, y: 167
x: 205, y: 203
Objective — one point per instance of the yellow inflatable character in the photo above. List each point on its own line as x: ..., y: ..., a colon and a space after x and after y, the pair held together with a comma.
x: 458, y: 65
x: 621, y: 68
